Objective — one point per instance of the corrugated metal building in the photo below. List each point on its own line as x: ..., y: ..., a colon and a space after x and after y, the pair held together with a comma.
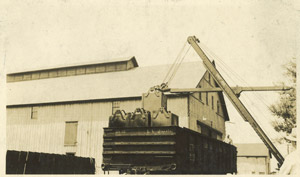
x: 63, y: 110
x: 253, y: 159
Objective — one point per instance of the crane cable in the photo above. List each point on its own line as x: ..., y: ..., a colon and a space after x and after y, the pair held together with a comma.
x: 209, y: 52
x: 237, y: 77
x: 174, y: 67
x: 174, y: 63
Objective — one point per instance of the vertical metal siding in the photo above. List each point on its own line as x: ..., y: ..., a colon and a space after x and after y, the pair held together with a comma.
x: 46, y: 133
x: 179, y: 106
x: 130, y: 105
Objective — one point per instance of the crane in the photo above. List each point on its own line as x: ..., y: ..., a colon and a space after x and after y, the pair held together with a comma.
x: 149, y: 140
x: 232, y: 94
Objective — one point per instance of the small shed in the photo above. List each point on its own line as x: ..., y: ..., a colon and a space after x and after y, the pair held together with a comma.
x: 253, y: 158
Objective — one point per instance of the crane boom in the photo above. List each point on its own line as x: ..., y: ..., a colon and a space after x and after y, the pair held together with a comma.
x: 192, y: 40
x: 237, y: 90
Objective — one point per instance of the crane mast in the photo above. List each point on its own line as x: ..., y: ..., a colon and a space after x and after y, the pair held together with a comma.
x: 233, y: 97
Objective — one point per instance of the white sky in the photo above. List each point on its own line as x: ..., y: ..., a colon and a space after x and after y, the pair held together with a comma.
x: 254, y: 38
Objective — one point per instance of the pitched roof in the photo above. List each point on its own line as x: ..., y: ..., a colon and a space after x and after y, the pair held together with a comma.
x: 130, y: 83
x: 252, y: 149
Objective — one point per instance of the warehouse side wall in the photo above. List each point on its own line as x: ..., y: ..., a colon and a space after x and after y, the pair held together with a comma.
x: 46, y: 132
x: 205, y: 110
x: 44, y: 128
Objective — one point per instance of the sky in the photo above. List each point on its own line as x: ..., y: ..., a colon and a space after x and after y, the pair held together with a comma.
x: 253, y: 38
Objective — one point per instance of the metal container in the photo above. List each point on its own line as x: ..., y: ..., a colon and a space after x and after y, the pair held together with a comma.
x: 163, y: 118
x: 165, y: 150
x: 139, y: 118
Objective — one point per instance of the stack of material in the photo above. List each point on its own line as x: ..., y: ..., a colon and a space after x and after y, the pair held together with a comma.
x: 20, y: 162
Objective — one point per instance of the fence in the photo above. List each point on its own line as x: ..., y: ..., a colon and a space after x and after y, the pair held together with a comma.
x: 20, y: 162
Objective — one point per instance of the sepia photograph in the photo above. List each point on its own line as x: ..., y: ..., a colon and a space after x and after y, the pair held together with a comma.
x: 132, y: 87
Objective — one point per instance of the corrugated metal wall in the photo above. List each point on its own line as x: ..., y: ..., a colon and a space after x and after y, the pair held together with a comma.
x: 46, y: 133
x: 130, y: 105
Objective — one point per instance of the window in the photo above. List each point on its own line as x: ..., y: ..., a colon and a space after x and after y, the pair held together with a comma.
x: 206, y: 98
x: 71, y: 72
x: 10, y: 78
x: 80, y: 71
x: 35, y: 75
x: 44, y: 75
x: 115, y: 106
x: 27, y: 76
x: 212, y: 102
x: 53, y: 74
x: 208, y: 78
x: 18, y: 77
x: 62, y: 72
x: 34, y: 112
x: 110, y: 67
x: 91, y: 69
x: 71, y: 133
x: 218, y: 107
x: 100, y: 69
